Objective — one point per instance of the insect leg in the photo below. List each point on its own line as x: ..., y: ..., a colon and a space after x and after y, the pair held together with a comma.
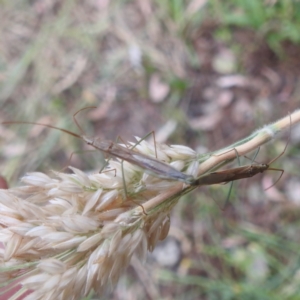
x: 123, y: 174
x: 231, y: 183
x: 278, y: 156
x: 75, y: 119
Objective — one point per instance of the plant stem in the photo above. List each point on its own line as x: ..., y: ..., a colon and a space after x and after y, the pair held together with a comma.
x: 242, y: 147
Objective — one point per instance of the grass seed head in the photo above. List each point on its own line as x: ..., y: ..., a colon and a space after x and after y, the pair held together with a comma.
x: 70, y: 233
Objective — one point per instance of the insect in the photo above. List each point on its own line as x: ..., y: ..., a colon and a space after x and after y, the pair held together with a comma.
x: 236, y: 174
x: 151, y: 165
x: 241, y: 172
x: 148, y: 163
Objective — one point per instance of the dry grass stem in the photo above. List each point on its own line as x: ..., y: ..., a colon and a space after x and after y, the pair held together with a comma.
x: 67, y: 234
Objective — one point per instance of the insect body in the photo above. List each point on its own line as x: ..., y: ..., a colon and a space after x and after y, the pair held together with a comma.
x: 148, y: 163
x: 151, y: 165
x: 240, y: 172
x: 230, y: 175
x: 234, y: 174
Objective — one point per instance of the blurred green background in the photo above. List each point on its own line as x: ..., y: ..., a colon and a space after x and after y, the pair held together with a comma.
x: 200, y: 73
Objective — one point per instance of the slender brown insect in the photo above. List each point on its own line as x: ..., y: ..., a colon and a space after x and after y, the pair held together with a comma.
x: 241, y: 172
x: 148, y: 163
x: 236, y: 174
x: 151, y: 165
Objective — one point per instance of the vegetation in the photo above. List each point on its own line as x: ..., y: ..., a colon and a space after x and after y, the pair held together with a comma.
x: 200, y: 73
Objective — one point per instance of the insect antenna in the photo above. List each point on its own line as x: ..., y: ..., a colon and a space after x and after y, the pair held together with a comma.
x: 45, y: 125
